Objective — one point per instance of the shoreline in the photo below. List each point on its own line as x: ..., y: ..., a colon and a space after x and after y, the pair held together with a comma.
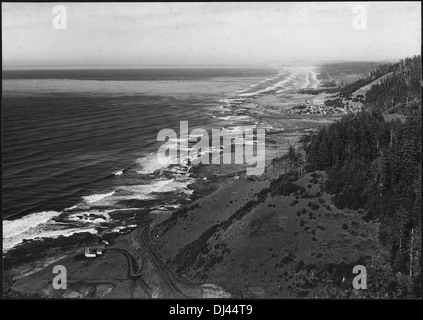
x: 206, y: 184
x: 283, y: 132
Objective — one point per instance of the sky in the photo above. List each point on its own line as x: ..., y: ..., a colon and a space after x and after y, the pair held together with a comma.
x: 122, y: 34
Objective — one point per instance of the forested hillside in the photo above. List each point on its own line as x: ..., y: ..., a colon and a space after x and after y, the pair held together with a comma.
x: 400, y: 90
x: 369, y: 77
x: 375, y: 166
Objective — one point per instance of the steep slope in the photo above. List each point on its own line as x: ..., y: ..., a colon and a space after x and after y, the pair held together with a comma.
x: 288, y: 240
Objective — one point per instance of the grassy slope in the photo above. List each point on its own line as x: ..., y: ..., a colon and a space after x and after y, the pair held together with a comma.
x: 264, y: 245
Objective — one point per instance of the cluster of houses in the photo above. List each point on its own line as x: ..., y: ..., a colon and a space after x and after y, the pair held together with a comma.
x: 309, y: 108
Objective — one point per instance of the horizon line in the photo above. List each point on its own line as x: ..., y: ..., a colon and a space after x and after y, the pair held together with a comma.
x: 7, y: 67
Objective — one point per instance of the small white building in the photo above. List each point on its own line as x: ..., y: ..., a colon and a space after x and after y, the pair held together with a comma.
x: 93, y: 252
x: 89, y: 253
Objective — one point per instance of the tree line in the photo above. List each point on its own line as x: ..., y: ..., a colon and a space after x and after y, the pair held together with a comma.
x: 401, y: 89
x: 375, y: 166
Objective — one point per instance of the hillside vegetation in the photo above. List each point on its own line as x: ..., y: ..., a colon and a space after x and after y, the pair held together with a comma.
x: 401, y: 90
x: 375, y: 165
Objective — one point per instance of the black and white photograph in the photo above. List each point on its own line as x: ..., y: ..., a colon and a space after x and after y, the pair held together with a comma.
x: 221, y: 151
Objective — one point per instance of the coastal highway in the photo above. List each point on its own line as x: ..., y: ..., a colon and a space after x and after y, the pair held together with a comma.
x: 164, y: 270
x: 133, y: 271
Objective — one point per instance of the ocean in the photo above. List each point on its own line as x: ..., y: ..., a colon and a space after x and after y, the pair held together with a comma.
x: 79, y: 146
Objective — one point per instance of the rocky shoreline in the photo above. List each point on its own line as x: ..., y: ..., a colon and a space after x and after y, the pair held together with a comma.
x: 32, y: 255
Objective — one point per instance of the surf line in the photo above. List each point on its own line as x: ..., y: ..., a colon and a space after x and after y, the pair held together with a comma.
x: 244, y: 143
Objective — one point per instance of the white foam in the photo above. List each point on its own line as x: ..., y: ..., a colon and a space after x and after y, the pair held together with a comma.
x: 224, y: 118
x: 310, y: 80
x: 97, y: 197
x: 179, y: 186
x: 42, y: 230
x: 315, y: 82
x: 269, y: 88
x: 119, y: 228
x: 143, y: 191
x: 71, y: 208
x: 150, y: 163
x: 84, y: 216
x: 15, y: 227
x: 307, y: 82
x: 173, y: 206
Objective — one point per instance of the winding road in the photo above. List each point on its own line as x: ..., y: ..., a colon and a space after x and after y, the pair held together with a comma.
x: 132, y: 271
x: 135, y: 273
x: 164, y: 270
